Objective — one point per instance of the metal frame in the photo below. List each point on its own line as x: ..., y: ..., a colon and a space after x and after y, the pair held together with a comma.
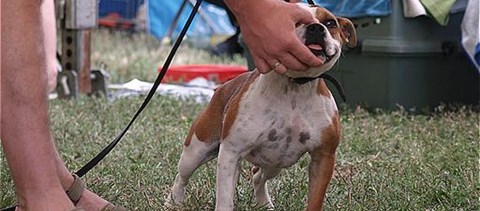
x: 75, y: 20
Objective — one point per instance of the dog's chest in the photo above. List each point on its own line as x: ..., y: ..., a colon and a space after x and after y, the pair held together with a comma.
x: 277, y: 123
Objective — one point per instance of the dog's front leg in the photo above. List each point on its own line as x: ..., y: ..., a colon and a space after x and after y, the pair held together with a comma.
x: 260, y: 177
x: 227, y: 177
x: 320, y: 173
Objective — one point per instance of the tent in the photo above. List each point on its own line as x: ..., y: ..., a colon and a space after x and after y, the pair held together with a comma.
x: 211, y: 20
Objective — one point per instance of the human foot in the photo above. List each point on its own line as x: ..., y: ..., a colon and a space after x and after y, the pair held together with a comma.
x: 52, y: 199
x: 88, y: 200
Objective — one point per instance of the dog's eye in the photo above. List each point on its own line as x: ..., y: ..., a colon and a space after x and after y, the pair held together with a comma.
x: 330, y: 23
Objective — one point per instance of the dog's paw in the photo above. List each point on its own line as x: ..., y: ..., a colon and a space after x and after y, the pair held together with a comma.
x: 173, y: 202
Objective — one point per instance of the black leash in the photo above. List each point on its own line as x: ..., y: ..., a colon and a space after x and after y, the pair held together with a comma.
x: 92, y: 163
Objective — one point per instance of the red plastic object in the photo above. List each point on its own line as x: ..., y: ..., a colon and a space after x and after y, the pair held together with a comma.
x: 115, y: 21
x: 217, y: 73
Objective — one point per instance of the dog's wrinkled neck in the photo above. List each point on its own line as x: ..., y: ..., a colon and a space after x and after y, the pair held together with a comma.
x: 272, y: 82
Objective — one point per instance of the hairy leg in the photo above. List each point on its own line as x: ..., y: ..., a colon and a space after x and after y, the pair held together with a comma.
x: 25, y: 134
x: 28, y: 74
x: 50, y: 42
x: 88, y: 200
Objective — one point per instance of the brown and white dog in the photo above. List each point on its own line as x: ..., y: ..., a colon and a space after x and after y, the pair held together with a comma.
x: 271, y: 121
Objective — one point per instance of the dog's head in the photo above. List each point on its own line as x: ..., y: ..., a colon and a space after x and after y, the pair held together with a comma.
x: 324, y: 39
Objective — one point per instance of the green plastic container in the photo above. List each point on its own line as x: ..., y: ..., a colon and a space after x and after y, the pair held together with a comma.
x: 413, y: 63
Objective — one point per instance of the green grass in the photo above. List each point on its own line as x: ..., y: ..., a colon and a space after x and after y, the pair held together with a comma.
x: 387, y: 160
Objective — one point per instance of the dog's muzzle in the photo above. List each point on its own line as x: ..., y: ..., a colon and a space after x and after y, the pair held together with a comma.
x: 315, y: 40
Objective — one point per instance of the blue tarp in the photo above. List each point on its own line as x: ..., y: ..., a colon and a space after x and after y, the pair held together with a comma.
x: 161, y: 14
x: 127, y: 9
x: 357, y: 8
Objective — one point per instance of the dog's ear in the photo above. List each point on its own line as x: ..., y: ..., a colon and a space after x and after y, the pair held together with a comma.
x: 349, y: 34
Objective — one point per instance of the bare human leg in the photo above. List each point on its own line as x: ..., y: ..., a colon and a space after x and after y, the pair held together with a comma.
x: 25, y: 133
x: 50, y: 42
x: 27, y: 75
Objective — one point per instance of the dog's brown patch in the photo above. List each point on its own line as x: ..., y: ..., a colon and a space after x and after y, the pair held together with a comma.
x: 331, y: 135
x: 348, y: 33
x: 233, y: 105
x: 323, y: 14
x: 208, y: 125
x: 322, y: 165
x: 343, y: 32
x: 322, y: 89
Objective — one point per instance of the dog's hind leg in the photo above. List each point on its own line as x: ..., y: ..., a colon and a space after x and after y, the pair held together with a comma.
x: 260, y: 177
x: 227, y: 177
x: 193, y: 155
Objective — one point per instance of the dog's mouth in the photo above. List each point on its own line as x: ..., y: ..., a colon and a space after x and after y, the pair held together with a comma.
x: 316, y: 40
x: 319, y: 51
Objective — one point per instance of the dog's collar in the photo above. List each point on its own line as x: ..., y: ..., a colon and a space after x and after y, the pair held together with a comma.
x: 304, y: 80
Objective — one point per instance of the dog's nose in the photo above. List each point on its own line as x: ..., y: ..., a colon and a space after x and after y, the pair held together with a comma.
x: 316, y: 28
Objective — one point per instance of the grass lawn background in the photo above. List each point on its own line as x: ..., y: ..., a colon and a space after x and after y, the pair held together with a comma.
x: 387, y: 160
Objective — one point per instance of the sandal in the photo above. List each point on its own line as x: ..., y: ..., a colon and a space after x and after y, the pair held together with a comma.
x: 76, y: 190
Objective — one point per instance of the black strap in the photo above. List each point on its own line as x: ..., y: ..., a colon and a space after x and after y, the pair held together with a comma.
x: 92, y: 163
x: 310, y: 2
x: 341, y: 91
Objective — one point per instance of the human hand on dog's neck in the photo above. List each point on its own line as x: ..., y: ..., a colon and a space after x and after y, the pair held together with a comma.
x: 268, y: 28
